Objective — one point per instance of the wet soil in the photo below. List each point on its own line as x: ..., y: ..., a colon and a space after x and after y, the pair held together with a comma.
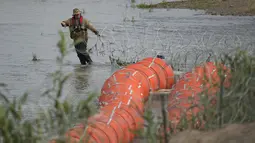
x: 214, y: 7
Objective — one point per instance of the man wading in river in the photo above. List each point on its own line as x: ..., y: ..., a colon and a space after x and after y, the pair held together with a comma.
x: 78, y: 26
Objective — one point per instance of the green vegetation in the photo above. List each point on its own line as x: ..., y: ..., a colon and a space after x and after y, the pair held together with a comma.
x: 234, y: 105
x: 219, y: 7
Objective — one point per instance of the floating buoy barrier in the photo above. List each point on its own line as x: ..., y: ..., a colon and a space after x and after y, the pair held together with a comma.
x: 185, y: 93
x: 124, y: 93
x: 122, y: 100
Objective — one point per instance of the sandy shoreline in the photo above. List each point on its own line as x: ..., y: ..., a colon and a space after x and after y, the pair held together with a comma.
x: 213, y: 7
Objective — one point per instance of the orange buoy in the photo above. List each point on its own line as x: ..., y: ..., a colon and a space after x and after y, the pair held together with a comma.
x: 167, y: 68
x: 91, y: 134
x: 182, y: 84
x: 132, y: 101
x: 134, y: 116
x: 139, y: 77
x: 119, y: 78
x: 105, y: 118
x: 124, y: 135
x: 151, y: 75
x: 121, y: 89
x: 97, y: 134
x: 158, y: 70
x: 184, y: 99
x: 127, y: 117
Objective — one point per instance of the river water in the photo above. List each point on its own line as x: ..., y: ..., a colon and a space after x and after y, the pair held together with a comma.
x: 31, y: 26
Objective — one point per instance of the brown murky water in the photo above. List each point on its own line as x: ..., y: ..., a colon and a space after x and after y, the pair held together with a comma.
x: 31, y: 26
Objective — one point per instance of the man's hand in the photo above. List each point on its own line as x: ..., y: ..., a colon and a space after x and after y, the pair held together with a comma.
x: 63, y: 24
x: 97, y: 33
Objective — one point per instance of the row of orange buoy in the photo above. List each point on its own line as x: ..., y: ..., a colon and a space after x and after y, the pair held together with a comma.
x: 184, y: 96
x: 124, y: 93
x: 122, y: 102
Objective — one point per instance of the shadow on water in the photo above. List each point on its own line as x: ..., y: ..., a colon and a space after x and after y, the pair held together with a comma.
x: 78, y: 84
x: 81, y: 77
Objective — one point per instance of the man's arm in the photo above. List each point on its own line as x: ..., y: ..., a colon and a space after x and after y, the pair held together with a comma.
x: 90, y: 27
x: 65, y: 23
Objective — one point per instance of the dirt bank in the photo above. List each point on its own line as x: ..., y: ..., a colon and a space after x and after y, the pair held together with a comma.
x: 214, y: 7
x: 241, y: 133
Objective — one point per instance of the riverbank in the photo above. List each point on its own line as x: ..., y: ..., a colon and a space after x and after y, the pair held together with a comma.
x: 213, y: 7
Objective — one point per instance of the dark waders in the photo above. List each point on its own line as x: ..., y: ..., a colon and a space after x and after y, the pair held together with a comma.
x: 83, y: 55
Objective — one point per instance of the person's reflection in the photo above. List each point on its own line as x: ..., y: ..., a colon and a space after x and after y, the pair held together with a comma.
x: 80, y: 81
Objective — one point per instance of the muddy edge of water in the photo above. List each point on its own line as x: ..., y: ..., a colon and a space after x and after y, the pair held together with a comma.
x: 213, y: 7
